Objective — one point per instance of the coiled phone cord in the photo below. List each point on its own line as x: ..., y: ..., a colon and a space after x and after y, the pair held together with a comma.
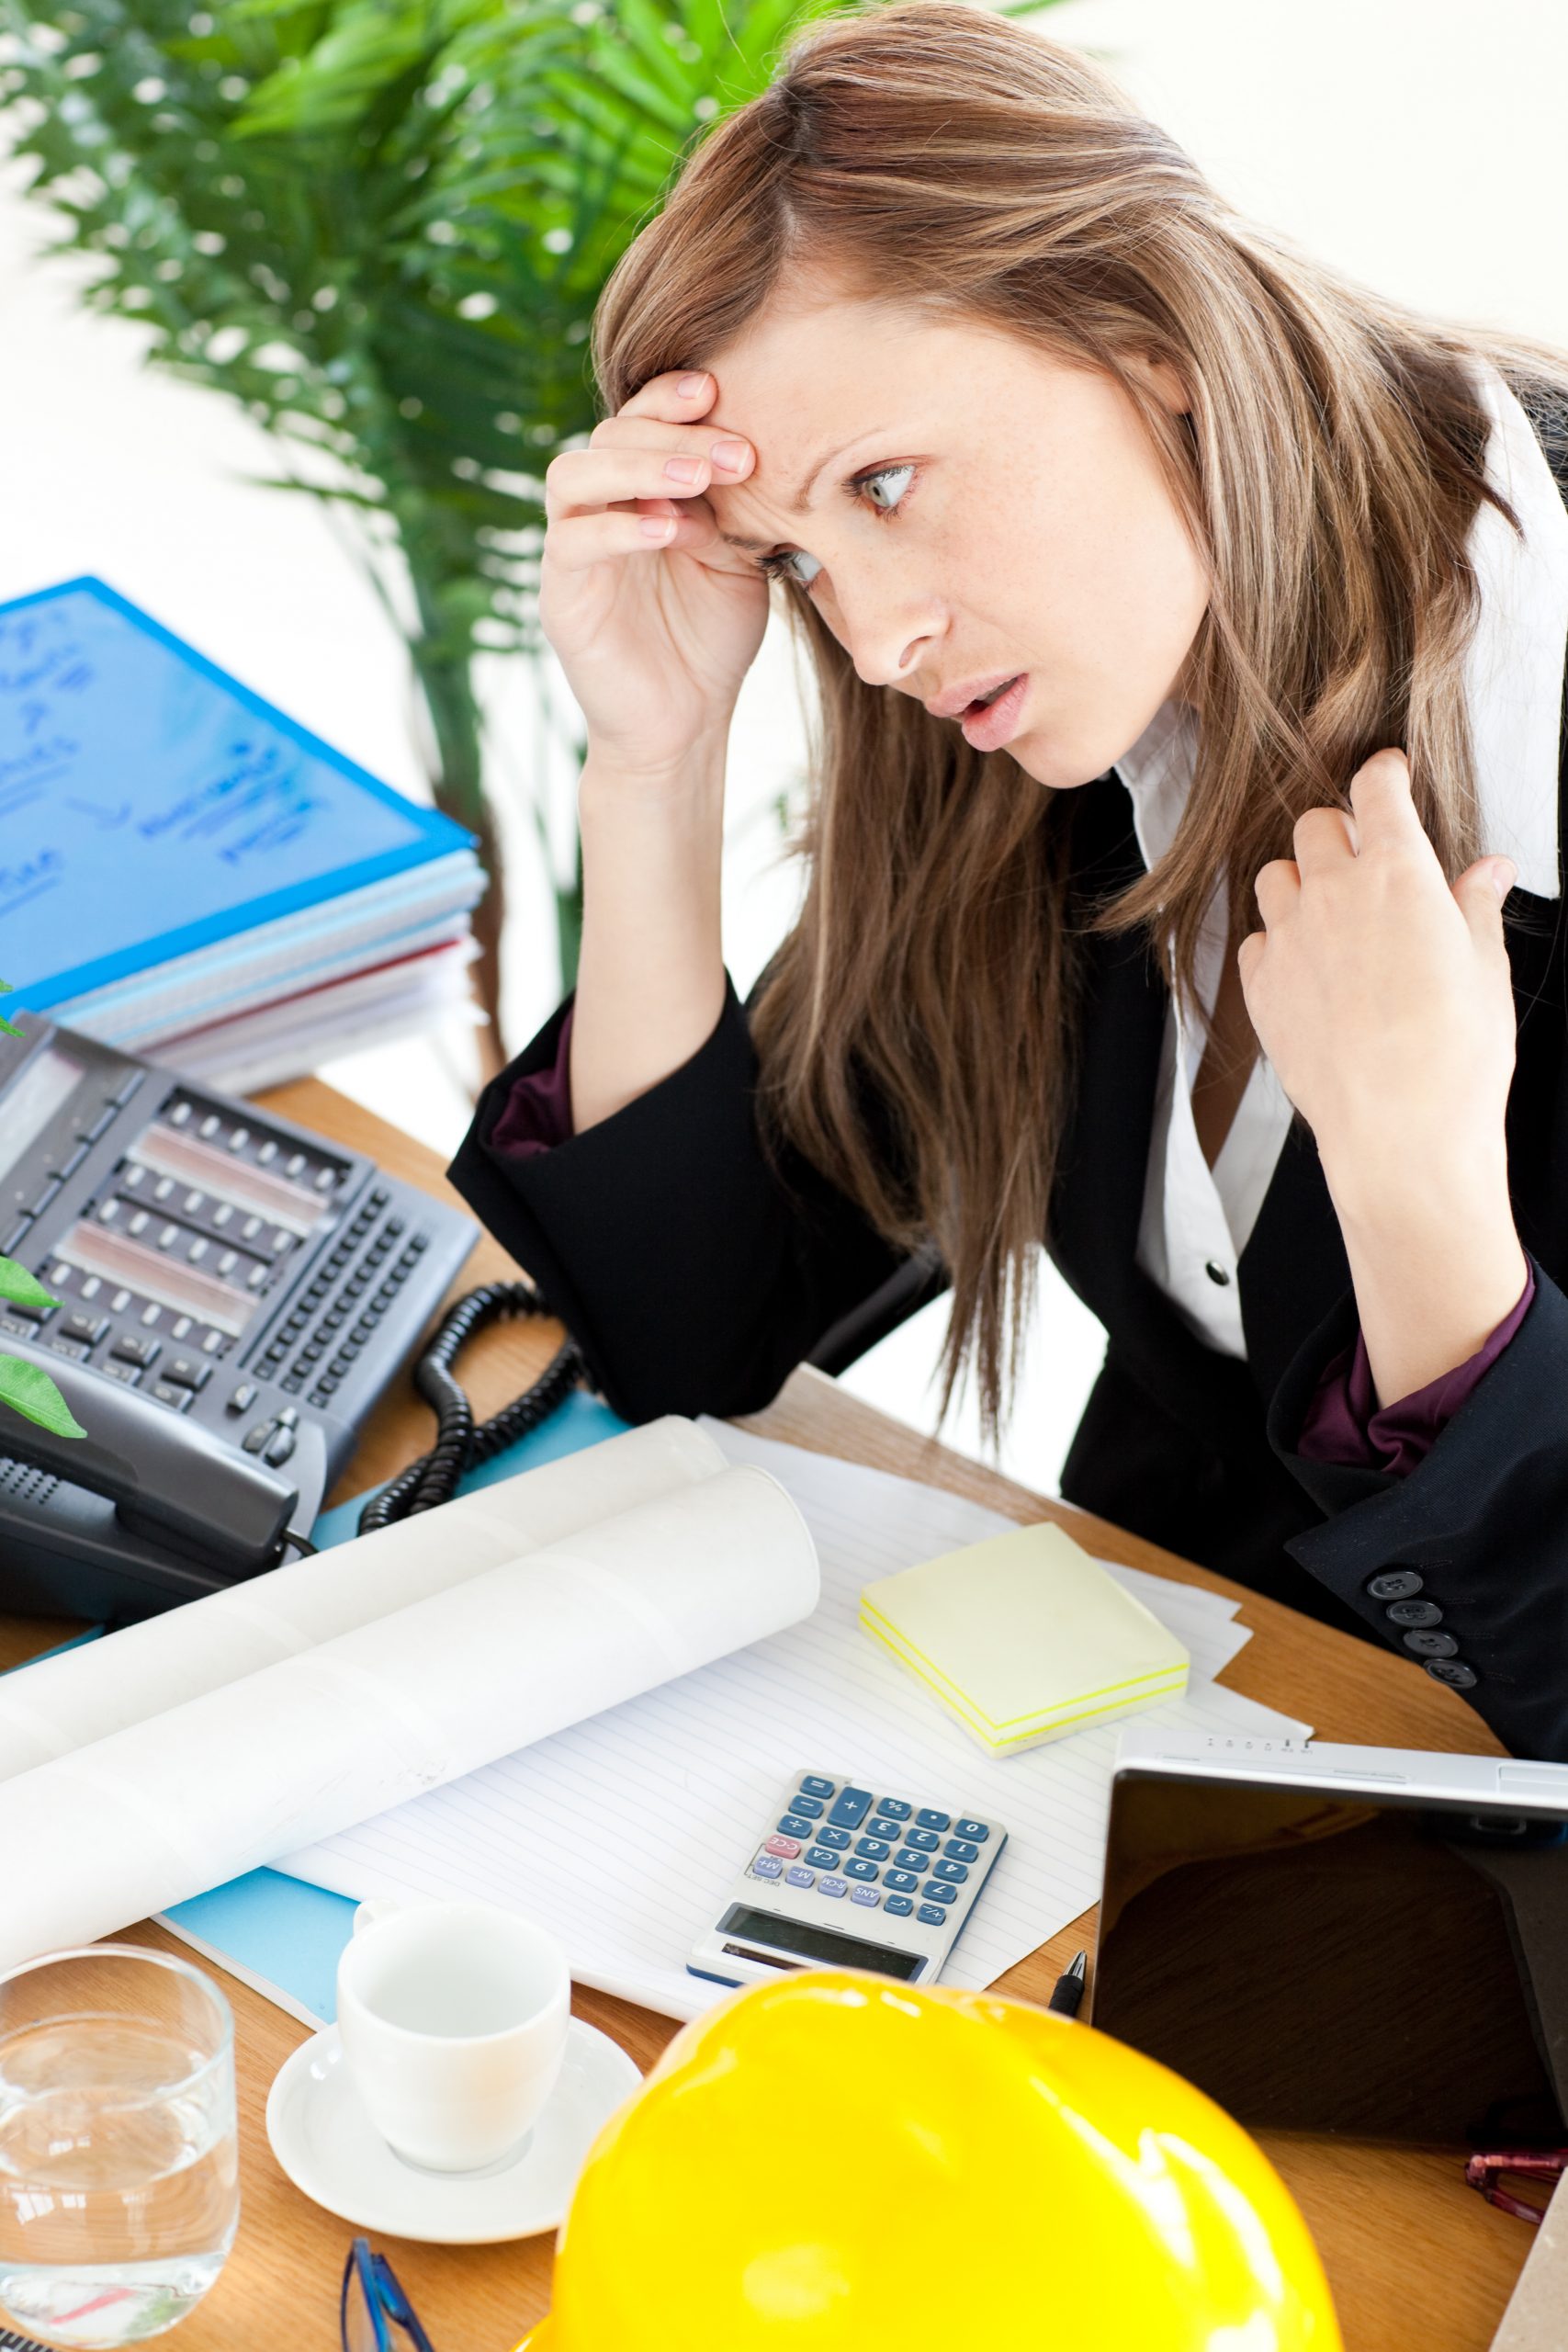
x: 460, y: 1442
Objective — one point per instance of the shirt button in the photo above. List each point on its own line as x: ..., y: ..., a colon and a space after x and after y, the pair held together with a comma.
x: 1432, y: 1645
x: 1453, y: 1671
x: 1395, y: 1584
x: 1217, y: 1273
x: 1414, y: 1613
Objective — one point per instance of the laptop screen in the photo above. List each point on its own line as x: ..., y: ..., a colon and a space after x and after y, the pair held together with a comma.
x: 1391, y: 1967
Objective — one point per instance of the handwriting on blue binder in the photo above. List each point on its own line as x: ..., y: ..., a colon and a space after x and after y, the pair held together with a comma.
x: 150, y: 804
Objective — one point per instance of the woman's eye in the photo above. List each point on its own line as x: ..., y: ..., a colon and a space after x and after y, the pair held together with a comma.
x: 882, y: 490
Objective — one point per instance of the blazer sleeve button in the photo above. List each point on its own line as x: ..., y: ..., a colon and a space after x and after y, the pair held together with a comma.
x: 1426, y: 1645
x: 1395, y: 1584
x: 1454, y: 1672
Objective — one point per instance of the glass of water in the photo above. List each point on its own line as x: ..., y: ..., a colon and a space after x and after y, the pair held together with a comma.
x: 119, y: 2189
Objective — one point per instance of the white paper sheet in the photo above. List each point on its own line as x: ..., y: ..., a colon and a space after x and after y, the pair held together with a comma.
x: 169, y: 1807
x: 64, y: 1703
x: 623, y: 1834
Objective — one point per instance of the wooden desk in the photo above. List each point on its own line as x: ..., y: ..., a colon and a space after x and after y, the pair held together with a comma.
x: 1413, y: 2256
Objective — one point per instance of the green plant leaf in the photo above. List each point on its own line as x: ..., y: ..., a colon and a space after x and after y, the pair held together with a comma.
x: 28, y: 1390
x: 381, y: 227
x: 22, y: 1288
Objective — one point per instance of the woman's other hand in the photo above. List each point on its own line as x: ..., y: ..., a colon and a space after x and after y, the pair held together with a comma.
x: 1381, y: 995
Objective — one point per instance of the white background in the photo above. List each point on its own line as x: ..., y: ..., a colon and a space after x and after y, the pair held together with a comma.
x: 1417, y: 143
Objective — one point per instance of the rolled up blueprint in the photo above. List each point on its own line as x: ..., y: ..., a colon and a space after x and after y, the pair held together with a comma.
x: 64, y: 1703
x: 166, y: 1808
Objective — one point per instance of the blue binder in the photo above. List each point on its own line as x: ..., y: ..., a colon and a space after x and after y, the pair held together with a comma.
x: 151, y: 804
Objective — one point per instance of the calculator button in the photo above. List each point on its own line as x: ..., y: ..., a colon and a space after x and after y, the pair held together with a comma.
x: 898, y: 1906
x: 959, y: 1850
x: 767, y: 1866
x: 807, y: 1804
x: 832, y: 1887
x: 934, y: 1893
x: 796, y: 1875
x: 852, y: 1808
x: 954, y: 1873
x: 902, y: 1882
x: 838, y: 1839
x: 873, y: 1848
x: 792, y: 1825
x: 866, y: 1894
x: 822, y: 1858
x: 930, y: 1917
x: 925, y: 1840
x: 975, y: 1830
x: 887, y: 1829
x: 815, y: 1786
x: 895, y: 1808
x: 908, y: 1860
x: 787, y: 1847
x: 859, y: 1869
x: 929, y: 1820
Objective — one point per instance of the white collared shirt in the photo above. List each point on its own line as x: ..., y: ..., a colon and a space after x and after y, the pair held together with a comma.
x: 1196, y: 1221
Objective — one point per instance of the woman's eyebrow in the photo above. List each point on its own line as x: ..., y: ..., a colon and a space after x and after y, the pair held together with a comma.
x: 801, y: 503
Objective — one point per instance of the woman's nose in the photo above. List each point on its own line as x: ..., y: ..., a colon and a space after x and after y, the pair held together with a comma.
x: 887, y: 633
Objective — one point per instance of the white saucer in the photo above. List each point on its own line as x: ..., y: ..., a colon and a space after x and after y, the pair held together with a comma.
x: 329, y: 2147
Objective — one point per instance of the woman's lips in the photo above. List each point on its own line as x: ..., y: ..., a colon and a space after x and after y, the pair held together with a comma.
x: 988, y: 729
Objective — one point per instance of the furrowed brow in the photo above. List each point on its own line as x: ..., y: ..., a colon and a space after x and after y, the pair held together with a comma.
x: 799, y: 504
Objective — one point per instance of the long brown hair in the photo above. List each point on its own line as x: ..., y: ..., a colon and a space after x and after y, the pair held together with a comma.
x: 1330, y: 470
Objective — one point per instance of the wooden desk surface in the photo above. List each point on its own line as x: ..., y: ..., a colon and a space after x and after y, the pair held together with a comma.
x: 1415, y: 2257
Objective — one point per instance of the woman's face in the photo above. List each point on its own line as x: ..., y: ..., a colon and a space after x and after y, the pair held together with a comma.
x: 972, y: 510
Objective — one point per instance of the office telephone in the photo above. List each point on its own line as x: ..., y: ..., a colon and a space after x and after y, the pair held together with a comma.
x: 235, y: 1293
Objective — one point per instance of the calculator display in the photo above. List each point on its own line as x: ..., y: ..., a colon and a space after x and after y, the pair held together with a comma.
x: 818, y: 1943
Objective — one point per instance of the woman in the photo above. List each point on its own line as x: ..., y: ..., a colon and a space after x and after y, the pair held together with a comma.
x: 1189, y: 627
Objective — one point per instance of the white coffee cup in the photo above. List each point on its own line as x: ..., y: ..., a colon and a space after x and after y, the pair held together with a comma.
x: 452, y: 2019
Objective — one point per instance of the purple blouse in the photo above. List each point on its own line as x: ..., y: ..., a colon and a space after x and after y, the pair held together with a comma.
x: 1344, y: 1423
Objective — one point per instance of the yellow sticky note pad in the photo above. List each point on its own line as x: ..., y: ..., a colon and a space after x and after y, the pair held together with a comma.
x: 1024, y: 1638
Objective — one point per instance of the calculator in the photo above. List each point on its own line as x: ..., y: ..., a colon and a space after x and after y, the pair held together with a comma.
x: 845, y: 1878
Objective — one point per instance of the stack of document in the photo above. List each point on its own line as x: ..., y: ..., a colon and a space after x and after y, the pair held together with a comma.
x: 622, y: 1833
x: 635, y: 1636
x: 189, y: 874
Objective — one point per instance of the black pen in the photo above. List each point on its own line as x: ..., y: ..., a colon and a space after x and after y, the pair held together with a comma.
x: 1068, y: 1991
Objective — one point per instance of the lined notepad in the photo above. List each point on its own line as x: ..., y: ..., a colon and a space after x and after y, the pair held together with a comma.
x: 624, y: 1833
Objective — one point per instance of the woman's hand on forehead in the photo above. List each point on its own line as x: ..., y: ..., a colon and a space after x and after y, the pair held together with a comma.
x: 671, y: 417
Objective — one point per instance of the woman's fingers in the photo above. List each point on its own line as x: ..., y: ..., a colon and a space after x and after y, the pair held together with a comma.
x: 580, y: 480
x: 680, y: 396
x: 1384, y: 811
x: 1324, y: 839
x: 1277, y: 889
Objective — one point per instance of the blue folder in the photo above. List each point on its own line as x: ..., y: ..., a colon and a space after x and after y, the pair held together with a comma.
x: 152, y: 806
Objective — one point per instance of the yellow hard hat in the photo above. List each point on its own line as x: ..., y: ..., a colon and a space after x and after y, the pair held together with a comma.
x: 837, y: 2162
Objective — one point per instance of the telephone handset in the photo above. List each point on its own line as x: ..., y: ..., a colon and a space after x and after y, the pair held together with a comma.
x: 167, y: 1483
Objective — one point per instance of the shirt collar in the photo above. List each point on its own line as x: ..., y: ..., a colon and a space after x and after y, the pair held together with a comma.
x: 1513, y: 669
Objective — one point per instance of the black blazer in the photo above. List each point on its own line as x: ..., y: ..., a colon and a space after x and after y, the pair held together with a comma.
x: 695, y: 1280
